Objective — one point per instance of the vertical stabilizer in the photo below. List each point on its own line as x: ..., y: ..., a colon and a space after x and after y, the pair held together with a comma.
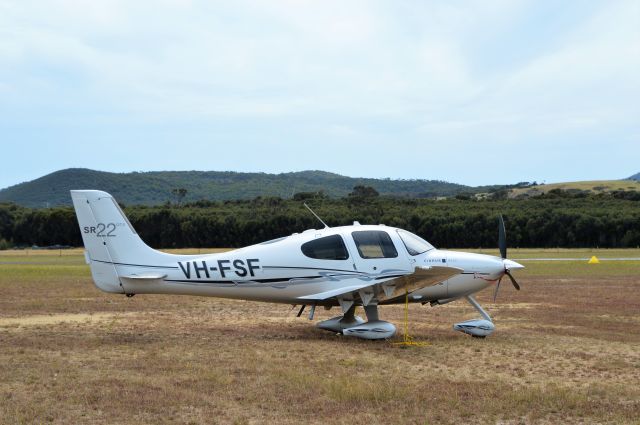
x: 109, y: 238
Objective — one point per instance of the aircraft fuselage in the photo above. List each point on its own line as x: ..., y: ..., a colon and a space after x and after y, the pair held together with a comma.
x: 278, y: 271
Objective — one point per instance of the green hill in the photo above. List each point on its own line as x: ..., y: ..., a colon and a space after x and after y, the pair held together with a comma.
x: 154, y: 187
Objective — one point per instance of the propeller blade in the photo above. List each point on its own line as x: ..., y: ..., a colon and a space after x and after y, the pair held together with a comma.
x: 502, y: 237
x: 495, y: 293
x: 513, y: 280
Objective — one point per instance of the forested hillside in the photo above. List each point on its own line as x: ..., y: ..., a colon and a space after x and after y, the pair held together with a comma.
x: 156, y: 187
x: 553, y: 220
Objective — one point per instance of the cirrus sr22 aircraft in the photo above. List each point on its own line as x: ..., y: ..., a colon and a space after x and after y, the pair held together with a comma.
x: 344, y: 267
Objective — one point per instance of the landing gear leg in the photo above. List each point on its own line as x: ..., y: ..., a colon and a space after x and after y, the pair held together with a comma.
x: 478, y: 308
x: 349, y: 315
x: 478, y: 328
x: 371, y: 311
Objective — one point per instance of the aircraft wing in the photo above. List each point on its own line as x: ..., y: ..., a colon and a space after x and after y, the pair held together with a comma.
x: 421, y: 277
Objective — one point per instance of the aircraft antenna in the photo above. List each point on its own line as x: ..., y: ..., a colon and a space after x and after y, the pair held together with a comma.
x: 316, y: 215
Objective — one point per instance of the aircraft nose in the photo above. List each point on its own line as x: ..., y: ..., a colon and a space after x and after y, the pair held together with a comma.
x: 511, y: 265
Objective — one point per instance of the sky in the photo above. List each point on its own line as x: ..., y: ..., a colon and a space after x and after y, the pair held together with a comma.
x: 472, y: 92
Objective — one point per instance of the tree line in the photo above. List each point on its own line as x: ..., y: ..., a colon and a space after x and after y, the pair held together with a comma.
x: 552, y: 220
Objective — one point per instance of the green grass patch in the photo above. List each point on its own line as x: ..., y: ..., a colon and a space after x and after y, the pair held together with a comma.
x: 10, y: 273
x: 518, y: 253
x: 579, y: 268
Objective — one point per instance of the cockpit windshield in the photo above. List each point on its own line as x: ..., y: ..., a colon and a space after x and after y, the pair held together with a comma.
x: 415, y: 244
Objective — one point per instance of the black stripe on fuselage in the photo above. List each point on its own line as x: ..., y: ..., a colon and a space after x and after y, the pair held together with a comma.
x: 313, y: 268
x: 136, y: 265
x: 235, y: 282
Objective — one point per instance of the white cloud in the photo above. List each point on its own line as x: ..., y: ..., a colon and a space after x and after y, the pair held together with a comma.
x: 497, y: 73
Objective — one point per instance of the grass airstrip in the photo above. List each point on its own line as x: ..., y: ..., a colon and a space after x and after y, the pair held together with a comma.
x: 566, y: 350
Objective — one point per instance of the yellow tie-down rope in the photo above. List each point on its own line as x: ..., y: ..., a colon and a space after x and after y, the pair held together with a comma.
x: 407, y: 340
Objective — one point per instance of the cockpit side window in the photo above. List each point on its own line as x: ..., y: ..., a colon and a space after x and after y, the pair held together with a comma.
x: 326, y: 248
x: 415, y: 244
x: 374, y: 244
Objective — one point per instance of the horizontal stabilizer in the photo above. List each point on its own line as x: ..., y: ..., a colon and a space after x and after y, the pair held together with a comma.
x: 145, y: 277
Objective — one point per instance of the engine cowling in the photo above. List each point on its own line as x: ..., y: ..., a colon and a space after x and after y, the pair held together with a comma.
x: 475, y: 327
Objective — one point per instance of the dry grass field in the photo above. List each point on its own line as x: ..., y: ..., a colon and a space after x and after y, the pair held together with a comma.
x: 566, y: 350
x: 595, y: 186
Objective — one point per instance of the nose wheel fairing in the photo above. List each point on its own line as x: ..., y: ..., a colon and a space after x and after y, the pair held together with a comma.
x: 478, y: 328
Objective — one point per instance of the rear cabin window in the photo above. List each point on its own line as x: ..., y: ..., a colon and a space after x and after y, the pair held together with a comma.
x: 326, y: 248
x: 374, y: 244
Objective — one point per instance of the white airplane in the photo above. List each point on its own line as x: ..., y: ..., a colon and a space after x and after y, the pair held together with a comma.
x: 345, y: 267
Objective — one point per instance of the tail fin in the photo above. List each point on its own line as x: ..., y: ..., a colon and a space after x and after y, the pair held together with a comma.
x: 109, y: 238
